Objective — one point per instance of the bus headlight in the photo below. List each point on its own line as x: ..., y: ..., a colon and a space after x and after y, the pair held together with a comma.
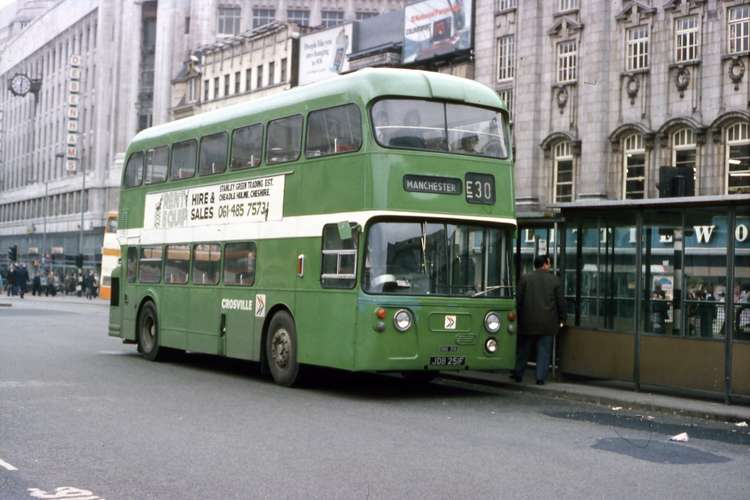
x: 402, y: 320
x: 491, y: 345
x: 492, y: 322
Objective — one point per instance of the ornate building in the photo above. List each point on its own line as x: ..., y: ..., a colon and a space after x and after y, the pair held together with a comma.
x: 95, y: 72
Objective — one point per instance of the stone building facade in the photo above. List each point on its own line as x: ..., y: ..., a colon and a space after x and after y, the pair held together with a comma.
x: 605, y: 93
x: 134, y: 55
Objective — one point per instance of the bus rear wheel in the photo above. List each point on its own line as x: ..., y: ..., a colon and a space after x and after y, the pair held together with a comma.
x: 281, y: 349
x: 148, y: 332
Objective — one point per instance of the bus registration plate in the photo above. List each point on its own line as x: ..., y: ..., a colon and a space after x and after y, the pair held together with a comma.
x: 447, y: 360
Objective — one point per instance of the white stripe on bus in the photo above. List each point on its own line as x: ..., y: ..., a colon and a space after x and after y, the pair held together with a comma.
x: 306, y: 226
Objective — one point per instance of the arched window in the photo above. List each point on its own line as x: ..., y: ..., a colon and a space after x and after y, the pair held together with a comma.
x: 564, y: 173
x: 738, y: 159
x: 683, y: 148
x: 634, y: 167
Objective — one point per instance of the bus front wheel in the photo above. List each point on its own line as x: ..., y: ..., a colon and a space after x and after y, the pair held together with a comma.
x: 148, y: 332
x: 281, y: 349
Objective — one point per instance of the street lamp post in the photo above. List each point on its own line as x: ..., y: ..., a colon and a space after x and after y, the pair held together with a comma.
x: 83, y: 193
x: 58, y: 156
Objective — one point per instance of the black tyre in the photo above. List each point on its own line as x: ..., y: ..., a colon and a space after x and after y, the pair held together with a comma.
x: 422, y: 377
x: 281, y: 349
x: 148, y: 332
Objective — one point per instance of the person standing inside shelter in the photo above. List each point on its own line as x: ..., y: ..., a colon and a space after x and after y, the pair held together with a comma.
x: 541, y: 313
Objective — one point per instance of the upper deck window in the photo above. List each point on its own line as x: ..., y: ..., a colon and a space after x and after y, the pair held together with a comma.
x: 134, y: 170
x: 334, y: 130
x: 247, y: 143
x: 156, y: 165
x: 438, y: 126
x: 213, y: 157
x: 284, y: 139
x: 183, y: 160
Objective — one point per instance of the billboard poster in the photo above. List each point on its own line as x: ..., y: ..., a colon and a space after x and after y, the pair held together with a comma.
x: 324, y: 54
x: 436, y: 27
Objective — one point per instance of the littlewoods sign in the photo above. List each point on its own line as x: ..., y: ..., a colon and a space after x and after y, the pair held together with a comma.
x: 702, y: 234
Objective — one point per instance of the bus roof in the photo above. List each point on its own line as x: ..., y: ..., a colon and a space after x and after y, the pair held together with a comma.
x: 367, y: 84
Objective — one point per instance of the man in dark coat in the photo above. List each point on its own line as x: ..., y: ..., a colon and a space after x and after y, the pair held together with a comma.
x: 22, y: 279
x: 541, y: 313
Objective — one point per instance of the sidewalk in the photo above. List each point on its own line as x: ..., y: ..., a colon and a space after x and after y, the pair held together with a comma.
x: 614, y: 396
x: 59, y: 299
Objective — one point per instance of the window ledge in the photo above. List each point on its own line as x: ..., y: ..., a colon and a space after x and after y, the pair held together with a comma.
x: 735, y: 55
x: 505, y: 11
x: 562, y: 85
x: 636, y: 72
x: 566, y: 12
x: 684, y: 64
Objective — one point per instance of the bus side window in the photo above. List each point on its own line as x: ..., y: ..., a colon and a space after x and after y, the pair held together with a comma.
x: 283, y: 139
x: 339, y: 256
x: 247, y: 143
x: 206, y: 263
x: 134, y: 170
x: 177, y: 264
x: 183, y: 160
x: 332, y: 131
x: 132, y: 264
x: 239, y: 264
x: 156, y: 165
x: 149, y: 265
x: 213, y: 155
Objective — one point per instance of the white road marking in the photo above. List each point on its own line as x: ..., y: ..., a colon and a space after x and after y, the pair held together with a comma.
x: 68, y: 492
x: 6, y: 465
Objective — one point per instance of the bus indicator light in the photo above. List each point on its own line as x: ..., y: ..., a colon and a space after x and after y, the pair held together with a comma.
x: 300, y: 266
x: 380, y: 313
x: 511, y: 315
x: 491, y: 346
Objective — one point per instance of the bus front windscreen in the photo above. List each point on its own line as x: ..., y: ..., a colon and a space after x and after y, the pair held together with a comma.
x: 433, y: 258
x: 440, y: 126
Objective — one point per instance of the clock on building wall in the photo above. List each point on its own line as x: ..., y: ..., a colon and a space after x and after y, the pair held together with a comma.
x: 20, y: 84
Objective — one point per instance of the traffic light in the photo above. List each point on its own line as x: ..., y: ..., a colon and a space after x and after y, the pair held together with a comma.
x: 79, y: 260
x: 13, y: 253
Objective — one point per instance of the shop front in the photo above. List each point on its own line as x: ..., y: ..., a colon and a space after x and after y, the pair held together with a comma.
x: 658, y: 292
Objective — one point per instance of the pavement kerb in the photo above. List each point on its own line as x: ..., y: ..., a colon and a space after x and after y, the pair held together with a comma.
x: 58, y: 299
x: 644, y: 401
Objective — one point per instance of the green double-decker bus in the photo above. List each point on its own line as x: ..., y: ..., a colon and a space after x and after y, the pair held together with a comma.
x: 362, y: 223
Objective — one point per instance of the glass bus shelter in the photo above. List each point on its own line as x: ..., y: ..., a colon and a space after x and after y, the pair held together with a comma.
x: 658, y: 291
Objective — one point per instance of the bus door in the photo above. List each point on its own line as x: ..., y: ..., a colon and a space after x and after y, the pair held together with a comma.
x: 239, y: 301
x: 203, y: 304
x: 177, y: 293
x: 129, y: 304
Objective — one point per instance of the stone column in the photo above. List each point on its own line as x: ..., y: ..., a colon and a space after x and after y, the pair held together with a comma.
x: 166, y: 23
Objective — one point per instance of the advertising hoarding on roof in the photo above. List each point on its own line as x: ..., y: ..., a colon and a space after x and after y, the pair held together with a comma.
x: 435, y: 28
x: 325, y: 54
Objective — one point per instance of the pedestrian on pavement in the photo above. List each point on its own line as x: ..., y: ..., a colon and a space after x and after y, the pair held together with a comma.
x: 22, y: 279
x: 11, y: 280
x: 88, y: 284
x: 36, y: 285
x: 541, y: 314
